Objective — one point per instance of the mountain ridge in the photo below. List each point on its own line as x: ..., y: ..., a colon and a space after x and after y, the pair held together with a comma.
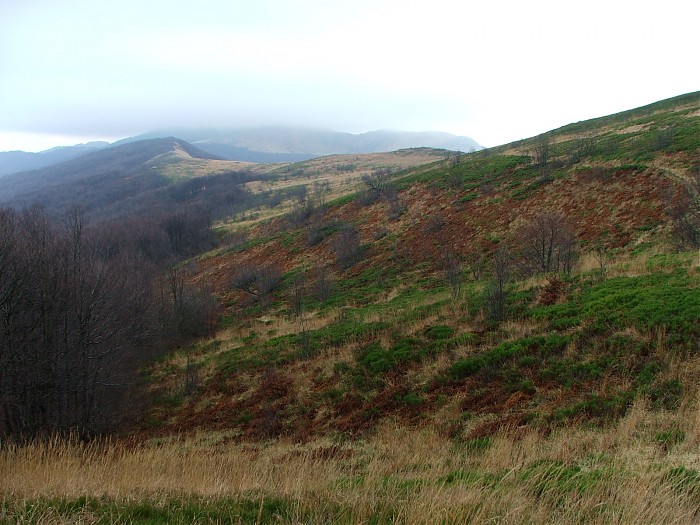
x: 270, y: 144
x: 18, y: 161
x: 282, y: 143
x: 124, y: 160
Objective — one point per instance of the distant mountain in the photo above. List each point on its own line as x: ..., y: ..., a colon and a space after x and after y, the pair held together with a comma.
x: 16, y: 161
x: 98, y: 177
x: 259, y: 145
x: 286, y: 144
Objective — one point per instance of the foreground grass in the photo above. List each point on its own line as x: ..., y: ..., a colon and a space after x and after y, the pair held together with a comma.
x: 645, y: 469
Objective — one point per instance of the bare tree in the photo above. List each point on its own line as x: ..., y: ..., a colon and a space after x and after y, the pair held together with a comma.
x: 75, y: 326
x: 257, y: 281
x: 193, y: 312
x: 435, y: 222
x: 477, y: 263
x: 378, y: 186
x: 323, y: 286
x: 603, y: 258
x: 348, y: 249
x: 542, y: 152
x: 581, y: 148
x: 299, y: 295
x: 453, y: 273
x: 547, y: 243
x: 683, y: 208
x: 496, y: 289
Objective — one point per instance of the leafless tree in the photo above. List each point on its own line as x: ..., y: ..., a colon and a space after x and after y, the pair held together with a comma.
x: 75, y: 324
x: 496, y: 289
x: 189, y: 231
x: 323, y: 286
x: 542, y: 152
x: 379, y: 186
x: 435, y: 222
x: 477, y: 262
x: 299, y: 294
x: 257, y: 281
x: 683, y: 208
x: 194, y: 312
x: 581, y: 148
x: 603, y: 258
x: 453, y: 273
x: 314, y: 230
x: 347, y: 246
x: 547, y: 243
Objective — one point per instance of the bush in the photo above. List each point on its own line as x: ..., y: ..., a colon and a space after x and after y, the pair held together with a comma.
x: 505, y: 351
x: 439, y: 332
x: 376, y: 360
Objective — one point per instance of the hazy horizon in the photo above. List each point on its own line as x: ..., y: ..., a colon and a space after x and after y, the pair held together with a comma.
x: 78, y: 71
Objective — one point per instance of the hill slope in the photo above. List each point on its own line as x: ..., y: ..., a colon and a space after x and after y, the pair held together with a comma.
x: 414, y: 352
x: 145, y: 176
x: 103, y: 176
x: 419, y: 299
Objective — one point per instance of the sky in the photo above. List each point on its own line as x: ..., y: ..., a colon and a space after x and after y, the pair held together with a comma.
x: 494, y: 70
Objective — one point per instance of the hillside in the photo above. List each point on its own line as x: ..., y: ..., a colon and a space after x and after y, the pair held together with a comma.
x: 115, y: 181
x: 154, y: 176
x: 125, y: 161
x: 388, y: 339
x: 506, y: 336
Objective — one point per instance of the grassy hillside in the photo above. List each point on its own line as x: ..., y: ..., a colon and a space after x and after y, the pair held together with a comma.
x: 509, y: 336
x: 363, y: 321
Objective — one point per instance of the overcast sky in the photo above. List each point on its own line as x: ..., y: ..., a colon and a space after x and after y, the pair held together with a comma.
x: 494, y: 70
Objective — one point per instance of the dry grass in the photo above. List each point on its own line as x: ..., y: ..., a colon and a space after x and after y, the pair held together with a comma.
x: 340, y: 174
x: 617, y: 475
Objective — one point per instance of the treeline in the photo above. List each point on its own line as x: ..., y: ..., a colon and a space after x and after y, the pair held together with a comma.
x: 81, y: 310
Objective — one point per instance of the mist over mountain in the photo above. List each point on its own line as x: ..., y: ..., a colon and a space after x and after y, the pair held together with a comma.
x: 287, y: 144
x: 259, y: 145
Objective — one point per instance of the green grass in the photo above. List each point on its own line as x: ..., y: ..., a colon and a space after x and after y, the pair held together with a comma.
x: 553, y: 479
x: 669, y: 301
x: 182, y: 510
x: 471, y: 172
x: 506, y: 351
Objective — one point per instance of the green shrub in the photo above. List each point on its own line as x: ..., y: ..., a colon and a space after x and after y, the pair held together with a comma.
x: 412, y: 399
x: 601, y: 408
x: 376, y: 360
x: 542, y: 345
x: 439, y: 332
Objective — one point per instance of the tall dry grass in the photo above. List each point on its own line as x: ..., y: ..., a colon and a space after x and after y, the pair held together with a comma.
x: 618, y: 475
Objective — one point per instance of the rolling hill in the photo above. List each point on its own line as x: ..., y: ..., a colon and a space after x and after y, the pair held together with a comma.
x: 105, y: 176
x: 286, y: 144
x: 507, y: 336
x: 143, y: 176
x: 390, y: 333
x: 258, y: 145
